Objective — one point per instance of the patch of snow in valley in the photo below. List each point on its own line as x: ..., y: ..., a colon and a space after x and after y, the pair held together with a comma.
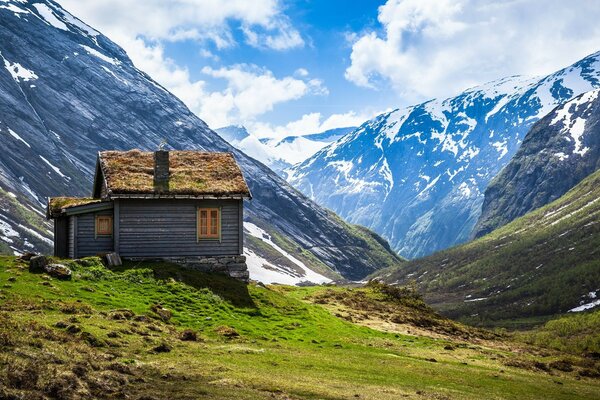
x: 16, y: 136
x: 49, y: 16
x: 476, y: 299
x: 257, y: 262
x: 585, y: 306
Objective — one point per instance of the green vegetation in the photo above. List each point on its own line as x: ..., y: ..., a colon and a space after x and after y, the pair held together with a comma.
x: 575, y: 333
x: 58, y: 204
x: 156, y: 331
x: 521, y: 274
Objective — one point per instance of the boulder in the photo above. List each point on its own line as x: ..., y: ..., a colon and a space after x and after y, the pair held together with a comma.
x: 38, y: 264
x: 26, y: 256
x: 58, y: 271
x: 112, y: 260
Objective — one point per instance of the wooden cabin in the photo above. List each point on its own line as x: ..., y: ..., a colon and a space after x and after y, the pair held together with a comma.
x: 184, y: 206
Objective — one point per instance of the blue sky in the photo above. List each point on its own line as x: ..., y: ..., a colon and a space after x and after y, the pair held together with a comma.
x: 285, y: 67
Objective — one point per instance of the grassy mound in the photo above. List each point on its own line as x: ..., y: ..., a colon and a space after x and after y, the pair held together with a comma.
x: 154, y: 331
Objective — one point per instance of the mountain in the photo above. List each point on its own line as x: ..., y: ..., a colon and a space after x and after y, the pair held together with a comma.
x: 541, y: 264
x: 280, y: 155
x: 295, y: 149
x: 241, y: 139
x: 560, y: 150
x: 67, y: 91
x: 417, y: 175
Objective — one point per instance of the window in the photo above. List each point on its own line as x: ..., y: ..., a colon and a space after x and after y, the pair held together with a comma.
x: 104, y: 225
x: 209, y: 223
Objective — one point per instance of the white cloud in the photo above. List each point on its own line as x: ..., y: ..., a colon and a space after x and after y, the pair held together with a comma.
x: 252, y: 91
x: 143, y: 29
x: 309, y: 123
x: 431, y: 48
x: 189, y: 19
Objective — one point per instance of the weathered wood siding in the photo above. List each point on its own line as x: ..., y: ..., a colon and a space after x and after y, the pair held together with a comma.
x: 71, y: 236
x: 167, y: 228
x: 87, y: 242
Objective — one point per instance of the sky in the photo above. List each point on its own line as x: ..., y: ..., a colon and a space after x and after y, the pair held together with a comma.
x: 283, y: 67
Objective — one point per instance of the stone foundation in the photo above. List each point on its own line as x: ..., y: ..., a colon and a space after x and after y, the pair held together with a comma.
x: 234, y: 266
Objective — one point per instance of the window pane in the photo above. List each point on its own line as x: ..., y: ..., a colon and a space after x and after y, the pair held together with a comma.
x: 214, y: 222
x: 203, y: 222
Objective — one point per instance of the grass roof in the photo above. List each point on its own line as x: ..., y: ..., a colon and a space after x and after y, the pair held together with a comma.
x: 57, y: 205
x: 190, y: 173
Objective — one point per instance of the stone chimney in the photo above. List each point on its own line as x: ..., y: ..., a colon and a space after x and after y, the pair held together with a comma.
x: 161, y: 171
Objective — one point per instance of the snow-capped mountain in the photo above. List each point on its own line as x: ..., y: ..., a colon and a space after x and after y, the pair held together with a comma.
x: 295, y: 149
x: 560, y: 150
x: 67, y: 91
x: 278, y: 154
x: 417, y: 175
x: 241, y: 139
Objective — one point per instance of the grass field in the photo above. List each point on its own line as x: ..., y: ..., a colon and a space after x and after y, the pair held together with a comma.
x: 153, y: 331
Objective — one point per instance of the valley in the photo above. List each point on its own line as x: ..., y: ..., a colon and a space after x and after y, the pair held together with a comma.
x: 211, y: 337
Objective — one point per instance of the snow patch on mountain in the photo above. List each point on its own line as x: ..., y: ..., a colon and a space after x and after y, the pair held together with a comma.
x: 18, y: 72
x: 49, y: 16
x: 574, y: 127
x: 267, y: 272
x: 460, y: 143
x: 16, y: 136
x: 101, y: 56
x: 54, y: 167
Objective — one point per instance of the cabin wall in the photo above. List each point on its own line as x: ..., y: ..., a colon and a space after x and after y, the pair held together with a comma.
x: 71, y: 237
x: 61, y: 237
x: 87, y: 243
x: 167, y: 228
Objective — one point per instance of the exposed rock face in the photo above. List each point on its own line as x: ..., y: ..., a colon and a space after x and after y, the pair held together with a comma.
x: 67, y: 91
x: 58, y: 271
x: 417, y: 175
x: 560, y: 150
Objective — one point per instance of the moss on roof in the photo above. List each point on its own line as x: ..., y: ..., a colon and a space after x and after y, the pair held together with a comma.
x: 57, y: 205
x: 190, y: 173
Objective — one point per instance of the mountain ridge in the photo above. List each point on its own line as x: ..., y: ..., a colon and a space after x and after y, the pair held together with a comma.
x: 417, y: 175
x: 557, y: 153
x: 541, y: 264
x: 67, y: 91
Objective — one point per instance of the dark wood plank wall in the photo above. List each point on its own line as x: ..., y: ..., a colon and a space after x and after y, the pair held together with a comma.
x: 71, y: 235
x: 167, y: 228
x: 87, y: 242
x: 61, y: 238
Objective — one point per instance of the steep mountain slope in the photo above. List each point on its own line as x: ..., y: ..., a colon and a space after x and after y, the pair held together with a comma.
x: 560, y: 150
x: 67, y: 91
x: 417, y: 175
x: 543, y: 263
x: 280, y: 155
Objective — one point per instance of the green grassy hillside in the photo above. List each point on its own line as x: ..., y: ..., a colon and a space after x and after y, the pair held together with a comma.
x: 153, y: 331
x: 539, y: 265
